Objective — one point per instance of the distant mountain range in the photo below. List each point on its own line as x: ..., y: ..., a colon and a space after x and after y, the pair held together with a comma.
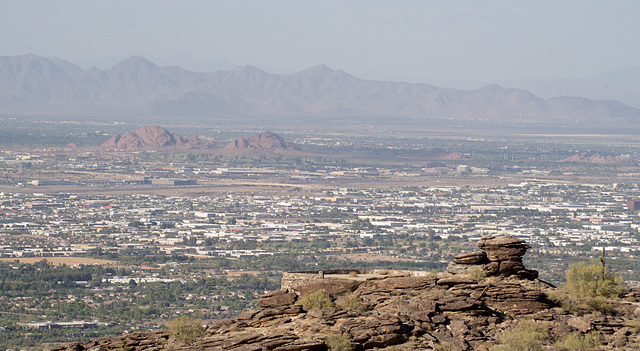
x: 136, y: 87
x: 620, y: 84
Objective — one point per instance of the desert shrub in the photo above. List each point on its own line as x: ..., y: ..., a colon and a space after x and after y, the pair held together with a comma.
x: 599, y: 304
x: 593, y: 279
x: 124, y: 347
x: 351, y: 302
x: 339, y: 342
x: 186, y: 330
x: 318, y: 299
x: 524, y: 336
x: 445, y: 346
x: 635, y: 326
x: 576, y: 341
x: 570, y: 302
x: 575, y: 304
x: 478, y: 274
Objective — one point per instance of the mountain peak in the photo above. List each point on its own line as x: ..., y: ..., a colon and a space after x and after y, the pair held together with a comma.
x: 316, y: 71
x: 319, y: 69
x: 136, y: 63
x: 491, y: 87
x: 31, y: 61
x: 249, y: 73
x: 247, y: 69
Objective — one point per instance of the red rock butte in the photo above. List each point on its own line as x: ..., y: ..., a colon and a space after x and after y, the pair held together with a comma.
x: 261, y: 141
x: 153, y: 137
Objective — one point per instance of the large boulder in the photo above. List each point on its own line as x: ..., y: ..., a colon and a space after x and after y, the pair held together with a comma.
x: 277, y: 298
x: 333, y: 287
x: 503, y: 248
x: 477, y: 257
x: 500, y: 256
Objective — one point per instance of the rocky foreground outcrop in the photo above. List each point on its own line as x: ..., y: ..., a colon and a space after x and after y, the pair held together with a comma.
x: 409, y: 311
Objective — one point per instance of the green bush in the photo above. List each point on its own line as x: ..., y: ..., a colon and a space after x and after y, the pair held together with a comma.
x: 593, y: 279
x: 571, y: 303
x: 575, y: 304
x: 576, y: 341
x: 186, y: 330
x: 524, y: 336
x: 599, y: 304
x: 351, y: 302
x: 318, y: 299
x: 124, y: 347
x: 478, y: 274
x: 339, y: 342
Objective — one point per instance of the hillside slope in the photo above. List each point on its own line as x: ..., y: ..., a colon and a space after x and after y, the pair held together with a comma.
x: 403, y: 311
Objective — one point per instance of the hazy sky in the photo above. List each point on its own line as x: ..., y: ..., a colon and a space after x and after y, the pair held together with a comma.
x: 407, y: 40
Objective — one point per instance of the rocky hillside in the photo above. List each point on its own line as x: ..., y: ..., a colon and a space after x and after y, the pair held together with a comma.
x: 261, y: 141
x: 481, y: 295
x: 153, y: 137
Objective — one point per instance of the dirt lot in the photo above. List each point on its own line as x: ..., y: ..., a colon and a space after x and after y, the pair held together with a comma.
x: 366, y: 257
x: 69, y: 261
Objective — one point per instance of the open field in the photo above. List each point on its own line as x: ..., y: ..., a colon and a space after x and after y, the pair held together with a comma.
x: 367, y: 257
x: 269, y: 187
x: 585, y: 136
x: 69, y: 261
x: 266, y: 186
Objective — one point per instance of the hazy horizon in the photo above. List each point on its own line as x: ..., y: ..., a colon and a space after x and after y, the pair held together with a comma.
x: 415, y: 41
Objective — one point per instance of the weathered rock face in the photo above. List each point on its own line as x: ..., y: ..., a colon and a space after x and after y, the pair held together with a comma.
x: 499, y: 256
x: 398, y: 312
x: 152, y: 137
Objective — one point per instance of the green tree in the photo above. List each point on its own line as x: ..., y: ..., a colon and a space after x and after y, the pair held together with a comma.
x: 594, y: 279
